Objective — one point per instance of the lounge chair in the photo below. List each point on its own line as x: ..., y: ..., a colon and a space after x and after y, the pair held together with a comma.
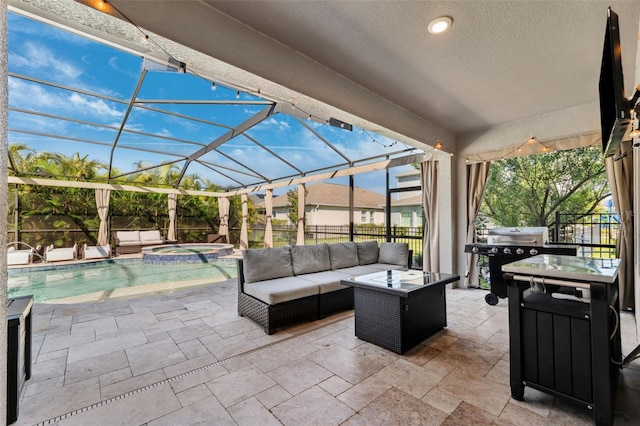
x: 52, y: 254
x: 96, y: 252
x: 19, y: 257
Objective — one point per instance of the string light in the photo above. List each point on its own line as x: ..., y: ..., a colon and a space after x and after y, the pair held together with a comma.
x: 213, y: 85
x: 145, y: 39
x: 238, y: 94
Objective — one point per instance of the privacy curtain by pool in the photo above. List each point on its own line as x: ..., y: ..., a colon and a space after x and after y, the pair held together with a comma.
x: 268, y: 205
x: 431, y: 248
x: 477, y: 175
x: 244, y: 234
x: 102, y: 203
x: 223, y: 212
x: 301, y: 210
x: 620, y: 175
x: 172, y: 205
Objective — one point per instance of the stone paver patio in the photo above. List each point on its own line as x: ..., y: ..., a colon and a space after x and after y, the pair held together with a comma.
x: 185, y: 358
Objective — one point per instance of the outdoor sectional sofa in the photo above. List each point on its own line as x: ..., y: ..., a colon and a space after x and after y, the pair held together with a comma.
x: 285, y: 285
x: 128, y: 242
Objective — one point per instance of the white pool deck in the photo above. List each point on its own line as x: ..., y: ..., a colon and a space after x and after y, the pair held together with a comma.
x: 184, y: 357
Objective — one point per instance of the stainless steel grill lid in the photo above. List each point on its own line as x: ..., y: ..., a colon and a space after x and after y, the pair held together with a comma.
x: 536, y: 236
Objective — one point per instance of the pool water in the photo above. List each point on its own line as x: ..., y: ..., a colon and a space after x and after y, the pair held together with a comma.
x: 81, y: 279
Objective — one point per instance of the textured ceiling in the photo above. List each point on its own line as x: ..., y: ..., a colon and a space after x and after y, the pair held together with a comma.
x: 502, y: 62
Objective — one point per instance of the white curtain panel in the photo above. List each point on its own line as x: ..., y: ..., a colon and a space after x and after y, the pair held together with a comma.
x: 102, y: 203
x: 244, y: 233
x: 431, y: 248
x: 223, y: 212
x: 301, y: 212
x: 268, y: 205
x: 620, y: 175
x: 477, y: 175
x: 172, y: 204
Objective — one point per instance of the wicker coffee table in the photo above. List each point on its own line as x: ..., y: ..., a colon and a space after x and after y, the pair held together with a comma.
x: 398, y: 309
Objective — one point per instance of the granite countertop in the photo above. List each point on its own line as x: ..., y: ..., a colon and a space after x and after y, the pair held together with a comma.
x: 567, y: 267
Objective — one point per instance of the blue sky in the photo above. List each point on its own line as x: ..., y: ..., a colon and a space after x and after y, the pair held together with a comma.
x: 52, y: 55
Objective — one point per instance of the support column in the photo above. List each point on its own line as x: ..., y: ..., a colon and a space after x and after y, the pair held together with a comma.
x: 4, y: 198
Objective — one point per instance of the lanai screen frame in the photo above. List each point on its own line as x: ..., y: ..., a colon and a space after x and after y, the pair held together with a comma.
x: 244, y: 177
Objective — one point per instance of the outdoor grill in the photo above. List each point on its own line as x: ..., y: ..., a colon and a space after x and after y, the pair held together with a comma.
x: 506, y: 245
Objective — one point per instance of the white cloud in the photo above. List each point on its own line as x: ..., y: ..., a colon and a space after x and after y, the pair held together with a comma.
x: 41, y: 58
x: 93, y: 106
x: 113, y: 63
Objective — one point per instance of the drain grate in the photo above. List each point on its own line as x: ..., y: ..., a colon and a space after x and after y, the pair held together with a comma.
x: 54, y: 420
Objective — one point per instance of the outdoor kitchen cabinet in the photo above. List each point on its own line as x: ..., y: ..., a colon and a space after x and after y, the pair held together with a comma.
x: 567, y: 348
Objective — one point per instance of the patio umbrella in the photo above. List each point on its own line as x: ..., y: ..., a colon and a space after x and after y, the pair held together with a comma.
x: 429, y: 180
x: 173, y: 205
x: 301, y: 211
x: 268, y: 205
x: 244, y: 237
x: 223, y: 211
x: 102, y: 203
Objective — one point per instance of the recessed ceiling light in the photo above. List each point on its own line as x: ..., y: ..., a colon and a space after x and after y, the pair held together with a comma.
x: 440, y: 25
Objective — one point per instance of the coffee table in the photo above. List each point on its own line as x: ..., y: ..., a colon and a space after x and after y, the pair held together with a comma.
x: 398, y: 309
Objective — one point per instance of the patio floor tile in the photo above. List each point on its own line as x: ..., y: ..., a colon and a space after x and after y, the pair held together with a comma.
x: 398, y: 408
x: 312, y: 407
x: 207, y: 411
x: 239, y: 385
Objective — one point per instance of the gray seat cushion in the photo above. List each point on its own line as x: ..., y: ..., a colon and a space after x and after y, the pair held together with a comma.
x: 281, y: 289
x: 343, y: 255
x: 309, y: 259
x: 394, y: 254
x: 328, y: 281
x: 266, y: 264
x: 367, y: 252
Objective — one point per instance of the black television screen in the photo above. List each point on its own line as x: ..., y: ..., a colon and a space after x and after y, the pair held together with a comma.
x: 615, y: 108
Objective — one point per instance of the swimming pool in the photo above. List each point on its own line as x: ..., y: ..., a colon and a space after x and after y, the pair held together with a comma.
x: 101, y: 280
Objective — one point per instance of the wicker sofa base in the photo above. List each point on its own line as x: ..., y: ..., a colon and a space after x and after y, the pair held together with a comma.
x: 273, y: 317
x: 128, y: 249
x: 335, y: 301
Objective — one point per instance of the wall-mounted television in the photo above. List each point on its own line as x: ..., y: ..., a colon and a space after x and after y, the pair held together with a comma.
x: 615, y: 108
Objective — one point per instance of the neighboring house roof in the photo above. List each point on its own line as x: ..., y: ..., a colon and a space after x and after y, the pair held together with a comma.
x: 333, y: 195
x: 408, y: 201
x: 257, y: 198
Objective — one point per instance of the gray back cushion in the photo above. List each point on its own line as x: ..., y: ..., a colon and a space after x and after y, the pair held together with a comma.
x: 343, y: 255
x: 394, y: 254
x: 309, y: 259
x: 367, y: 252
x: 266, y: 264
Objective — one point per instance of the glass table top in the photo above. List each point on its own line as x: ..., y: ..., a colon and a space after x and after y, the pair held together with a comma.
x: 403, y: 280
x: 570, y: 267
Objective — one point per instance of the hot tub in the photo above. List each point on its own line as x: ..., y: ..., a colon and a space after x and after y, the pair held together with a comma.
x: 185, y: 253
